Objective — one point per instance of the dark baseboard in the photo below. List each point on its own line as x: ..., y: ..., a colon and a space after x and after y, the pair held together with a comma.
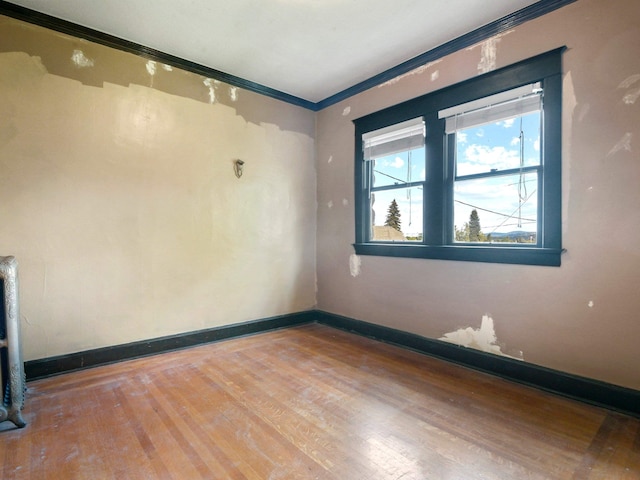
x: 587, y: 390
x: 47, y: 367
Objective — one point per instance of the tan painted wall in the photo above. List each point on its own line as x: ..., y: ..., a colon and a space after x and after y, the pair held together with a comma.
x: 119, y: 200
x: 583, y: 317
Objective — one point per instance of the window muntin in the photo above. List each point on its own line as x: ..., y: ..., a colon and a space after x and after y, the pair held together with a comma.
x: 528, y: 181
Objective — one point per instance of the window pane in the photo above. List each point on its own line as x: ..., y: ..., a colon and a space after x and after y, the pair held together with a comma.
x: 502, y: 145
x: 399, y: 168
x: 396, y: 215
x: 506, y: 209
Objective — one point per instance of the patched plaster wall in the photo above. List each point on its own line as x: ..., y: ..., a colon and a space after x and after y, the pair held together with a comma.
x: 119, y: 199
x: 580, y: 318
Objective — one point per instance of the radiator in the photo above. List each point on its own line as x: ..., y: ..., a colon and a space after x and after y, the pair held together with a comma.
x: 12, y: 376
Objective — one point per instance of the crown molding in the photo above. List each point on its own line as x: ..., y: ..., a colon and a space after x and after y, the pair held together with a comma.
x: 538, y: 9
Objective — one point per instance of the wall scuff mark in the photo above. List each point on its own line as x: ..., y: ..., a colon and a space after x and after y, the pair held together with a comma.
x: 483, y: 338
x: 80, y: 60
x: 354, y: 265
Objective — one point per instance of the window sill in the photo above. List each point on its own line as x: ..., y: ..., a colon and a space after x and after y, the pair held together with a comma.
x: 549, y: 257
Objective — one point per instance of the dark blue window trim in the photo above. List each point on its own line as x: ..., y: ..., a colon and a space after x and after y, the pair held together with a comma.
x: 545, y: 68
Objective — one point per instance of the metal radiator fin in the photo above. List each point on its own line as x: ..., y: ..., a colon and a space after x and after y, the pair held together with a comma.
x: 12, y: 378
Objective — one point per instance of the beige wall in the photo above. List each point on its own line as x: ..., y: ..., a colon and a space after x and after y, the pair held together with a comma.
x: 583, y: 317
x: 119, y: 200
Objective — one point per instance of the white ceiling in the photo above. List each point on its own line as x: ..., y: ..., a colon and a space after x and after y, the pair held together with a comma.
x: 311, y: 49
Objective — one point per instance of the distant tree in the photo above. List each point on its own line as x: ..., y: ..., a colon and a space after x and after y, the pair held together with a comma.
x: 393, y: 216
x: 462, y: 234
x: 475, y: 232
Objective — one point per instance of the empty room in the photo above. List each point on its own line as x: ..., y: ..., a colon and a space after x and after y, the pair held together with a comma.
x: 303, y: 239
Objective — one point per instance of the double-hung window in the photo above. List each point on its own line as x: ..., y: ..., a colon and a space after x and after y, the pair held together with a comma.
x: 471, y: 172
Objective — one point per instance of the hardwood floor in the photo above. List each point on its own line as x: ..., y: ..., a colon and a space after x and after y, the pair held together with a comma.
x: 309, y: 402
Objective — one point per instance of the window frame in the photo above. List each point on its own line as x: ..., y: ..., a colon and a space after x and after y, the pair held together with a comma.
x: 437, y: 243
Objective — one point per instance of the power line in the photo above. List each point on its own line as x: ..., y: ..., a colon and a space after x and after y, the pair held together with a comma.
x: 493, y: 211
x: 390, y: 176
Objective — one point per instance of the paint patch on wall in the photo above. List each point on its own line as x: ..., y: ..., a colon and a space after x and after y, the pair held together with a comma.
x: 233, y: 93
x: 210, y: 84
x: 489, y: 52
x: 330, y: 159
x: 330, y: 204
x: 80, y: 60
x: 623, y: 144
x: 583, y: 111
x: 629, y: 81
x: 167, y: 68
x: 345, y: 202
x: 631, y: 96
x: 346, y: 111
x: 415, y: 71
x: 151, y: 67
x: 488, y: 55
x: 355, y: 263
x: 483, y: 338
x: 435, y: 75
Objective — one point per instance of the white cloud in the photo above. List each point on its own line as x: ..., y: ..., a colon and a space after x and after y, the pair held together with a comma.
x: 481, y: 158
x: 398, y: 163
x: 515, y: 141
x: 507, y: 123
x: 461, y: 137
x: 536, y: 144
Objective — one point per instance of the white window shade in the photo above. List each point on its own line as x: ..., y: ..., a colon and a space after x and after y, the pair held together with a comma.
x: 491, y: 109
x: 394, y: 139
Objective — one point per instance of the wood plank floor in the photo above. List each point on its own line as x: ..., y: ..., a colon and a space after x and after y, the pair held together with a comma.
x: 309, y: 402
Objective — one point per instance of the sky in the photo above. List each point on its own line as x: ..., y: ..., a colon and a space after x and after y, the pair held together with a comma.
x: 479, y: 150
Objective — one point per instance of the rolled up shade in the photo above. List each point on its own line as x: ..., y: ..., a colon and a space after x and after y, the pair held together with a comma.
x: 491, y: 109
x: 394, y: 139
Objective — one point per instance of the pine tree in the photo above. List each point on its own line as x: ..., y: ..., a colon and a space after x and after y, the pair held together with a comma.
x: 475, y: 233
x: 393, y: 216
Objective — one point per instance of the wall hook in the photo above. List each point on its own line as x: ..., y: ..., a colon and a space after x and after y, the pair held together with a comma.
x: 237, y: 167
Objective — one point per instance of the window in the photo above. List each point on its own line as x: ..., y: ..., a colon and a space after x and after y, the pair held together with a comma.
x: 471, y: 172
